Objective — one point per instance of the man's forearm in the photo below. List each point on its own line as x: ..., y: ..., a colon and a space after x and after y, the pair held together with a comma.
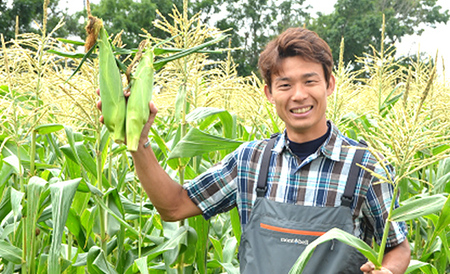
x: 398, y: 258
x: 169, y: 197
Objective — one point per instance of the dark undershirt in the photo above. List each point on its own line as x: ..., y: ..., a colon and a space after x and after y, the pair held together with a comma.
x: 303, y: 150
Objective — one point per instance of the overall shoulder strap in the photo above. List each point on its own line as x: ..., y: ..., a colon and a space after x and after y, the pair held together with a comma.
x: 347, y: 197
x: 261, y: 186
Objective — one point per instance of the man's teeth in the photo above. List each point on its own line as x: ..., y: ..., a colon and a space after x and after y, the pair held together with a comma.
x: 300, y: 110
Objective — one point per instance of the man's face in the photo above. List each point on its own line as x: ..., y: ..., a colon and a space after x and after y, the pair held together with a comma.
x: 300, y: 93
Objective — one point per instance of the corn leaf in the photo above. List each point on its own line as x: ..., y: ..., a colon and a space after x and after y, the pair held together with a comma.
x: 49, y: 128
x: 36, y: 186
x: 197, y: 142
x: 5, y: 205
x: 229, y: 125
x: 75, y: 227
x: 73, y: 55
x: 230, y: 268
x: 443, y: 176
x: 236, y: 224
x: 13, y: 161
x: 174, y: 241
x: 176, y: 162
x: 5, y: 173
x: 415, y: 208
x: 218, y: 249
x: 88, y: 162
x: 118, y: 218
x: 131, y: 208
x: 73, y: 42
x: 189, y: 246
x: 201, y: 226
x: 62, y: 194
x: 10, y: 253
x: 85, y: 57
x: 425, y: 267
x: 69, y: 150
x: 114, y: 203
x: 141, y: 264
x: 160, y: 63
x: 201, y: 113
x: 97, y: 263
x: 340, y: 235
x: 390, y: 101
x: 161, y: 51
x: 444, y: 219
x: 16, y: 201
x: 229, y: 249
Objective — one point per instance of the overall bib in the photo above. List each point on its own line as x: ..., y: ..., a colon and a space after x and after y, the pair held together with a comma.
x: 277, y: 233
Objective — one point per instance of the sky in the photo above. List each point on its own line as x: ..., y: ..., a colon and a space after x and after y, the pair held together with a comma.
x: 431, y: 40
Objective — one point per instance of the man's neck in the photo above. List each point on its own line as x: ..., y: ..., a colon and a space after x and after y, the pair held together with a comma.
x: 307, y: 135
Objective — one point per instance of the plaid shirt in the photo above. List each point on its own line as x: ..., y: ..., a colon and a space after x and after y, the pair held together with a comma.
x: 318, y: 181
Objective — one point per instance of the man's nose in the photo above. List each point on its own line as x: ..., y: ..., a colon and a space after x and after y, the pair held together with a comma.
x: 300, y: 93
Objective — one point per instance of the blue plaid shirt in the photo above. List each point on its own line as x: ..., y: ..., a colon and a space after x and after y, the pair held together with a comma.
x: 318, y: 181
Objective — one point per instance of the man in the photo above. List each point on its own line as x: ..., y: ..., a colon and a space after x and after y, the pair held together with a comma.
x: 308, y: 172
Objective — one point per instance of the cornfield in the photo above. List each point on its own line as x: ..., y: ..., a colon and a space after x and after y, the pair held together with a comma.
x: 70, y: 200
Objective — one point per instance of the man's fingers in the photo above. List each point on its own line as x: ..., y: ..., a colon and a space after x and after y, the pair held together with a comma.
x: 153, y: 109
x: 126, y: 92
x: 367, y: 267
x: 99, y: 106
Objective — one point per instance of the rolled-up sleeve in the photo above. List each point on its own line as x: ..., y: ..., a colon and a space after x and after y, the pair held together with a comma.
x: 214, y: 191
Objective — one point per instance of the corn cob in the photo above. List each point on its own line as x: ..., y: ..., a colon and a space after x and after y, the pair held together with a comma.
x: 111, y: 90
x: 140, y: 96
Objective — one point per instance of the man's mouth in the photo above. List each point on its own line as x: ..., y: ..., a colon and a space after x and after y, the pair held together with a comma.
x: 301, y: 110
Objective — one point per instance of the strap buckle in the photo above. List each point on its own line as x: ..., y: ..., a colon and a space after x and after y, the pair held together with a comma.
x: 261, y: 192
x: 346, y: 201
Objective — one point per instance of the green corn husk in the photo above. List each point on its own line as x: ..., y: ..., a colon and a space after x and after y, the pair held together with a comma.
x: 111, y: 90
x: 140, y: 96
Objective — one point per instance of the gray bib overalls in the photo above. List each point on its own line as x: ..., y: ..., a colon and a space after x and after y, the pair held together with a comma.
x: 277, y: 233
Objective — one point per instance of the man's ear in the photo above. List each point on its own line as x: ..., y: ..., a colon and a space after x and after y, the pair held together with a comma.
x: 331, y: 85
x: 268, y: 94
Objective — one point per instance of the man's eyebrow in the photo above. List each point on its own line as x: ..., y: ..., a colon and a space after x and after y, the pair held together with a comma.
x: 310, y: 74
x: 282, y: 78
x: 303, y: 76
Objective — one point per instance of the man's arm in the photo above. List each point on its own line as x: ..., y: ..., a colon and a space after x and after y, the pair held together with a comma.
x: 395, y: 261
x: 169, y: 197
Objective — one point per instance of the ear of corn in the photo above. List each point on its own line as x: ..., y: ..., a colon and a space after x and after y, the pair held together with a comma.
x: 111, y: 90
x: 140, y: 96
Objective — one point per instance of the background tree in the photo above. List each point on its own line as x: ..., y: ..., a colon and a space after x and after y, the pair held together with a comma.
x: 27, y: 11
x: 254, y: 23
x: 359, y: 22
x: 127, y: 15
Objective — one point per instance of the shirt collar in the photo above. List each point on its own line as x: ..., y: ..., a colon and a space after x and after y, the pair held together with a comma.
x: 331, y: 148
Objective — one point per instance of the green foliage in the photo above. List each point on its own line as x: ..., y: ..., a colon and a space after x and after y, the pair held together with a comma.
x: 27, y: 11
x: 254, y: 23
x: 127, y: 15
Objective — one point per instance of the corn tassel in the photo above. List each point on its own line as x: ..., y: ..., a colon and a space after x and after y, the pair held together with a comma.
x: 111, y: 90
x: 140, y: 96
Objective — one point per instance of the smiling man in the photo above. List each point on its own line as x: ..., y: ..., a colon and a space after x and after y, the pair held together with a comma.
x: 312, y: 182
